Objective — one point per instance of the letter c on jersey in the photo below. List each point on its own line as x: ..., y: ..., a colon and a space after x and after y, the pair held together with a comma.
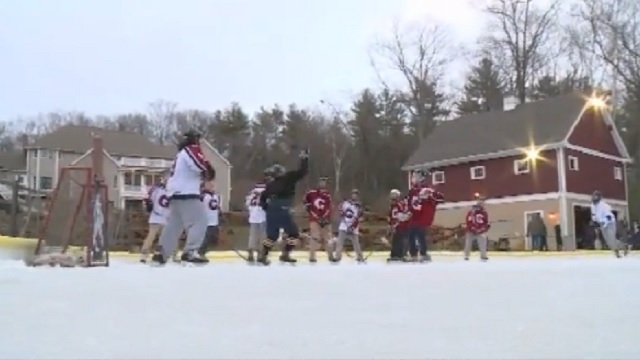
x: 163, y: 201
x: 213, y: 204
x: 319, y: 204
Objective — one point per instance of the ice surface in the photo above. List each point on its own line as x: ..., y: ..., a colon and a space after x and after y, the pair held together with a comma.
x: 525, y: 308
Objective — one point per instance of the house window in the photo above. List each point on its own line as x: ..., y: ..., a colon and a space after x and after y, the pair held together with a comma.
x: 115, y: 182
x: 128, y: 178
x: 437, y: 177
x: 46, y: 153
x: 46, y: 182
x: 573, y: 163
x: 617, y: 173
x: 521, y: 166
x: 478, y: 173
x: 149, y: 180
x: 34, y: 182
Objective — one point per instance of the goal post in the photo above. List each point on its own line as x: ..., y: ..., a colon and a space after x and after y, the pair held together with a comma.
x: 76, y: 215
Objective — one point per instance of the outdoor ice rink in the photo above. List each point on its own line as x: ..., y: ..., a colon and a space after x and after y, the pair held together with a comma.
x: 568, y: 307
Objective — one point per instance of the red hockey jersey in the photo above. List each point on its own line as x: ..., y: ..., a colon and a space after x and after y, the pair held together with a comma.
x: 478, y: 221
x: 318, y: 204
x: 422, y: 201
x: 397, y: 211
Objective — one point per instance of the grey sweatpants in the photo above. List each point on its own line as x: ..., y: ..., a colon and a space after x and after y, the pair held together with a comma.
x: 186, y: 215
x: 355, y: 241
x: 609, y: 236
x: 482, y: 244
x: 257, y: 233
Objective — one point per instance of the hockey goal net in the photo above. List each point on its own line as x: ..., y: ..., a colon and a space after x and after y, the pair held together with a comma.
x: 76, y: 218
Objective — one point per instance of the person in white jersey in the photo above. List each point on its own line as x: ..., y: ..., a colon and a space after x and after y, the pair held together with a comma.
x: 189, y: 169
x: 603, y: 218
x: 157, y: 204
x: 350, y: 214
x: 211, y: 203
x: 257, y: 221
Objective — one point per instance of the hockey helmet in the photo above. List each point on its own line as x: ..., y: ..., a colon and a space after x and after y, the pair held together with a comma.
x: 418, y: 176
x: 395, y: 194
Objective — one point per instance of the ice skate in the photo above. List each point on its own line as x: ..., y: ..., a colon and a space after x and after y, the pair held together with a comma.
x: 466, y: 258
x: 334, y: 260
x: 361, y: 261
x: 193, y: 258
x: 144, y: 258
x: 158, y: 259
x: 426, y: 258
x: 617, y: 254
x: 626, y: 250
x: 313, y: 261
x: 393, y: 260
x: 250, y: 258
x: 484, y: 258
x: 287, y: 259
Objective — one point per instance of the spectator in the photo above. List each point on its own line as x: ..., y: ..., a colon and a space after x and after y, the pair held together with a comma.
x: 537, y: 232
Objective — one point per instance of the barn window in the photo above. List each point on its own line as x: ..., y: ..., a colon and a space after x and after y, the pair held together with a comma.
x: 437, y: 177
x: 573, y: 163
x: 617, y: 173
x: 478, y: 173
x: 521, y: 166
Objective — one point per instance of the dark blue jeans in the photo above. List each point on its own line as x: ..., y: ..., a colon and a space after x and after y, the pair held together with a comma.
x: 538, y: 242
x: 279, y: 217
x: 417, y: 234
x: 398, y: 241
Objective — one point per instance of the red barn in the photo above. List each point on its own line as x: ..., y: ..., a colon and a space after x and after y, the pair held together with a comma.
x: 542, y: 157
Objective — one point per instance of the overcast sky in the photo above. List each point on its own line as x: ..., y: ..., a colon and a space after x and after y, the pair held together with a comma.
x: 114, y: 56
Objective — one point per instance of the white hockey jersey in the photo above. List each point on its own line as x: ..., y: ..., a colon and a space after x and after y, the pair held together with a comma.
x: 350, y: 213
x: 602, y: 214
x: 252, y: 202
x: 186, y: 173
x: 160, y: 205
x: 211, y: 201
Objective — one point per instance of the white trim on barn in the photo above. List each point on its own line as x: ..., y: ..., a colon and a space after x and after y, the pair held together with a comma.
x: 562, y: 187
x: 480, y: 157
x: 531, y: 197
x: 617, y: 139
x: 596, y: 153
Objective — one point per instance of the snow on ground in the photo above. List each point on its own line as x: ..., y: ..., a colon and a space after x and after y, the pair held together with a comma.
x: 525, y: 308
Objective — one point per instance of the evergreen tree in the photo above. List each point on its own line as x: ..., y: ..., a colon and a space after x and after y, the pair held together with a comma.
x: 483, y: 90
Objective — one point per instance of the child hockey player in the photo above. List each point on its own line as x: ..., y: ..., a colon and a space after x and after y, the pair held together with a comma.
x: 157, y: 204
x: 477, y: 227
x: 211, y: 202
x: 398, y: 223
x: 350, y: 214
x: 257, y: 220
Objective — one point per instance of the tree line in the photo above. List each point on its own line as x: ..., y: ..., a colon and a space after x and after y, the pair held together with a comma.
x: 529, y: 51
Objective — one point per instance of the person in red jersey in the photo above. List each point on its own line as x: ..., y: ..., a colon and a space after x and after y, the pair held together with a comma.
x: 398, y: 224
x: 477, y: 227
x: 422, y: 200
x: 318, y: 204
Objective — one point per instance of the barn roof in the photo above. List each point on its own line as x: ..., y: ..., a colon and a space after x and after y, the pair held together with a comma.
x: 545, y: 122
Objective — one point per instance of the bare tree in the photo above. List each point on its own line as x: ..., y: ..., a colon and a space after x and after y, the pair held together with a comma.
x: 339, y: 139
x: 419, y: 54
x: 611, y: 29
x: 518, y: 34
x: 162, y: 115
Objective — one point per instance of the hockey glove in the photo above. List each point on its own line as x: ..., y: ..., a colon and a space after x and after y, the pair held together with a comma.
x: 323, y: 222
x: 304, y: 154
x: 148, y: 205
x: 210, y: 173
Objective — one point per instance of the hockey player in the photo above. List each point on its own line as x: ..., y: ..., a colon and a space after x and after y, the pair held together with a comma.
x: 350, y: 215
x: 189, y: 169
x: 276, y: 200
x: 157, y: 204
x: 603, y: 218
x: 211, y: 203
x: 317, y: 202
x: 257, y: 220
x: 398, y: 224
x: 477, y: 226
x: 422, y: 200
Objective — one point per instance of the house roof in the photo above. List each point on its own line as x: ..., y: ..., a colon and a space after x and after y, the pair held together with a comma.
x: 13, y: 160
x: 78, y: 139
x: 544, y: 122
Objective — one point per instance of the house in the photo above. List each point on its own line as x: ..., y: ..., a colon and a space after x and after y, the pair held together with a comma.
x: 542, y: 157
x: 131, y: 162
